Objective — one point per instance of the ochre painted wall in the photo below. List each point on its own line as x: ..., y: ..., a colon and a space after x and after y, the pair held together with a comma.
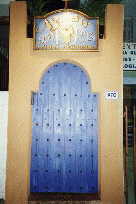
x: 105, y: 71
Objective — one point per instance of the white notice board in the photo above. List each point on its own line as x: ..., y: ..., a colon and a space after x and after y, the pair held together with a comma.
x: 129, y: 56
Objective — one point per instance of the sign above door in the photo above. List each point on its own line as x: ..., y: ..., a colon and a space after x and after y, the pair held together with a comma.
x: 66, y: 29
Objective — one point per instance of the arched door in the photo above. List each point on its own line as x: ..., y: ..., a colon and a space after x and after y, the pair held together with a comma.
x: 64, y: 132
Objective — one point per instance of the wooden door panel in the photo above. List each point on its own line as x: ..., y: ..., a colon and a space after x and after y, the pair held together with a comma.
x: 64, y: 132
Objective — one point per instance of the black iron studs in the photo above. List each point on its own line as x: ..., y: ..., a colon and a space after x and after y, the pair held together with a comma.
x: 81, y: 187
x: 92, y: 171
x: 35, y: 187
x: 46, y: 187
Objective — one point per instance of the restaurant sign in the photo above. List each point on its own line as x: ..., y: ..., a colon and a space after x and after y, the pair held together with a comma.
x: 66, y: 29
x: 129, y: 56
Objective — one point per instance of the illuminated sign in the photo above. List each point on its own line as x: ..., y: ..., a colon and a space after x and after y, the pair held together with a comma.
x: 66, y: 29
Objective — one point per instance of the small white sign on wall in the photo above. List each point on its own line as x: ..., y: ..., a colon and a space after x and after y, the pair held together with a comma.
x: 129, y: 56
x: 111, y: 95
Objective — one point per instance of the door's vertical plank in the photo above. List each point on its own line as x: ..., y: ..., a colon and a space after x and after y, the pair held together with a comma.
x: 66, y: 130
x: 35, y: 131
x: 88, y: 140
x: 58, y: 127
x: 94, y: 154
x: 70, y: 144
x: 47, y: 133
x: 82, y: 137
x: 52, y: 136
x: 40, y: 145
x: 74, y: 128
x: 62, y: 104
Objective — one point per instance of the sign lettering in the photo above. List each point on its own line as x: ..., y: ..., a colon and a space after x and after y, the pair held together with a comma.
x: 66, y: 30
x: 129, y: 56
x: 111, y: 95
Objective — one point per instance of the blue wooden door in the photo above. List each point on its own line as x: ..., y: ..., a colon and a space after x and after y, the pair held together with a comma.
x: 64, y: 132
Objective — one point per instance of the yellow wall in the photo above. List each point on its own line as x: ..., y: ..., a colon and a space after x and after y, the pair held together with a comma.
x: 26, y: 69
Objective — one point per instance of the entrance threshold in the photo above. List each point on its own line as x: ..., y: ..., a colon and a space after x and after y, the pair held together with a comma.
x: 63, y: 197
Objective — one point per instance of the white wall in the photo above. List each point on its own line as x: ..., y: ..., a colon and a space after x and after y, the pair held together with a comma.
x: 3, y: 140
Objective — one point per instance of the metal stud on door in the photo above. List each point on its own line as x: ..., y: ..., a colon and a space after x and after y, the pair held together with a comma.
x: 64, y: 132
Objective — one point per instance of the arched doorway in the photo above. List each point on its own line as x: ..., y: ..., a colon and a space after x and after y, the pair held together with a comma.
x: 64, y: 132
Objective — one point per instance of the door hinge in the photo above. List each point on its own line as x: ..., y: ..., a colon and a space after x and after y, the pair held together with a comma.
x: 32, y: 97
